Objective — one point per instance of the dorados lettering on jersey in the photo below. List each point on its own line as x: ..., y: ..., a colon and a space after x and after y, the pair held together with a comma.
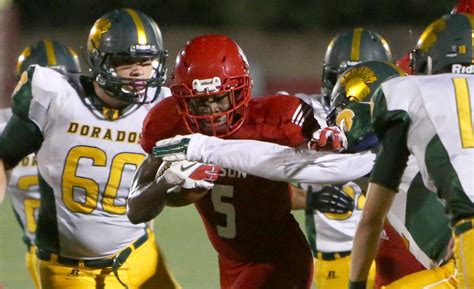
x: 28, y: 161
x: 103, y: 133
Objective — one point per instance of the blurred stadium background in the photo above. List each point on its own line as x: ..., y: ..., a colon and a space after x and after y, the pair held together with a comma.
x: 285, y: 41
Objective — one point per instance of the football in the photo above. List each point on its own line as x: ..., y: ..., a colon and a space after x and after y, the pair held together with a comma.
x: 185, y: 197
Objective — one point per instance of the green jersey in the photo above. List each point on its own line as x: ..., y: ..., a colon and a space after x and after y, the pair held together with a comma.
x: 430, y: 117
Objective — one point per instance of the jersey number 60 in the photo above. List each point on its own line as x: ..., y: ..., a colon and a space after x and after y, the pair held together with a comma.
x: 71, y: 181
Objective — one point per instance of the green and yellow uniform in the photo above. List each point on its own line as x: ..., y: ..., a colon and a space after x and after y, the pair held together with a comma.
x: 431, y: 118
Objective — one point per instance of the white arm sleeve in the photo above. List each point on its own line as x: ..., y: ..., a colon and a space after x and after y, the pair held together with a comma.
x: 280, y: 163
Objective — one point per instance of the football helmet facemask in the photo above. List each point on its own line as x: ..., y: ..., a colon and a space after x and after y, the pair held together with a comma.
x: 48, y: 53
x: 127, y: 36
x: 445, y: 46
x: 212, y: 69
x: 348, y: 49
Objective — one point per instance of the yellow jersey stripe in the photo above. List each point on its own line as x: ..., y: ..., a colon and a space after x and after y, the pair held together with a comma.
x: 139, y: 24
x: 50, y: 55
x: 355, y: 51
x: 464, y: 112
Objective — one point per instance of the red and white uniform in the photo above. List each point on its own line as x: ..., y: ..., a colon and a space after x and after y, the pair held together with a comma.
x: 248, y: 218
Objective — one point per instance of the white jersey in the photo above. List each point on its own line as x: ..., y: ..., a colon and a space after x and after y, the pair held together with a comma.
x: 287, y: 164
x: 312, y: 169
x: 23, y: 189
x: 419, y: 218
x: 316, y: 102
x: 330, y: 232
x: 87, y: 164
x: 335, y: 232
x: 315, y: 168
x: 440, y: 109
x: 24, y: 193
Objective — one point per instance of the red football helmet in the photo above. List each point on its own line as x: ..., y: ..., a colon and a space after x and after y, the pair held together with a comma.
x: 464, y: 6
x: 404, y: 62
x: 207, y: 69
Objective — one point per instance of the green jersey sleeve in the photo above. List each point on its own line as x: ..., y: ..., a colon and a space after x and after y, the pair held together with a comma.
x: 21, y: 135
x: 391, y: 127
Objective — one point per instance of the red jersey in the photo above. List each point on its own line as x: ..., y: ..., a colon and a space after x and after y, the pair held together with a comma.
x: 247, y: 218
x: 393, y: 260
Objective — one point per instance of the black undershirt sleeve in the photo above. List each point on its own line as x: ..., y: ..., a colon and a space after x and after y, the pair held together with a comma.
x: 392, y: 158
x: 19, y: 138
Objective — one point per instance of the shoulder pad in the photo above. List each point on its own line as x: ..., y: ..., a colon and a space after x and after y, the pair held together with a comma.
x: 162, y: 121
x: 35, y: 90
x: 165, y: 92
x: 399, y: 92
x: 5, y: 114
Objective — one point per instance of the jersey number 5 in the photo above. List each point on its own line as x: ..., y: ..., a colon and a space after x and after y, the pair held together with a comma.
x: 71, y: 182
x: 218, y: 192
x: 461, y: 90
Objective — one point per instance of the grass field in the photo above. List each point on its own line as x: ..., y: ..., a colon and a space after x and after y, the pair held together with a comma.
x: 179, y: 232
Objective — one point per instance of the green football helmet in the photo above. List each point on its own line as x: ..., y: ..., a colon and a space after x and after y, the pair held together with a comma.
x: 348, y: 49
x: 127, y: 35
x: 350, y: 101
x: 48, y: 53
x: 445, y: 46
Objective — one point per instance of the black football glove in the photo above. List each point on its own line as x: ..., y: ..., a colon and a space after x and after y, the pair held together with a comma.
x: 331, y: 199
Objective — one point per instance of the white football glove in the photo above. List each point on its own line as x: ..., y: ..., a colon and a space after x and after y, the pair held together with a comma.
x: 172, y: 149
x: 188, y: 175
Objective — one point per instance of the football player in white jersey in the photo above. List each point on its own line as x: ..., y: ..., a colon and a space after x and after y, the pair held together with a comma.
x: 23, y: 179
x: 426, y: 240
x: 431, y: 118
x: 330, y: 234
x: 417, y: 215
x: 85, y: 133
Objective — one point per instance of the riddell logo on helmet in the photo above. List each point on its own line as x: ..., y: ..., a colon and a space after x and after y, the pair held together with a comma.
x: 210, y: 84
x: 143, y: 48
x: 462, y: 69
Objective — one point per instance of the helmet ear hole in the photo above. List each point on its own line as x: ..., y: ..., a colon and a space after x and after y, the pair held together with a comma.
x: 101, y: 79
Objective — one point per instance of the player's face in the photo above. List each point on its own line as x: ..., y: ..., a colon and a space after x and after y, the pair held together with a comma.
x: 215, y: 105
x: 137, y: 69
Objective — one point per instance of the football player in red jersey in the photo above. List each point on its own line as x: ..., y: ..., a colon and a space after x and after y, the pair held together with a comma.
x: 247, y: 218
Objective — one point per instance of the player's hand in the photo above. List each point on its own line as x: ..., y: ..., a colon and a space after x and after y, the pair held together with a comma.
x: 328, y: 139
x: 188, y: 175
x: 172, y: 149
x: 331, y: 199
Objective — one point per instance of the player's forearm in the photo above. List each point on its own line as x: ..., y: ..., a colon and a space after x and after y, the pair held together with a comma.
x: 298, y: 198
x: 147, y: 200
x: 147, y: 196
x: 280, y: 163
x: 364, y: 248
x: 366, y: 240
